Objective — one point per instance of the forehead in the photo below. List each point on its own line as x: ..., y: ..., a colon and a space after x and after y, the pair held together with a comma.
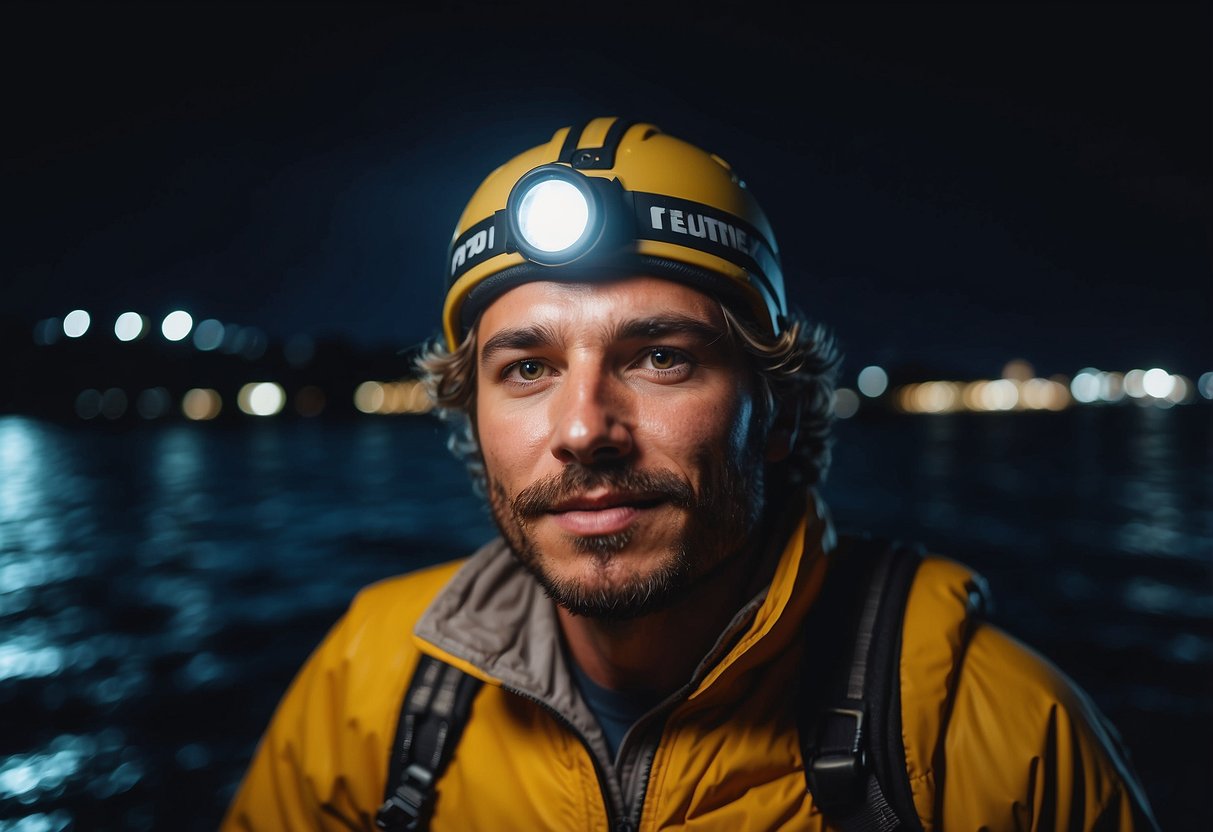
x: 582, y: 307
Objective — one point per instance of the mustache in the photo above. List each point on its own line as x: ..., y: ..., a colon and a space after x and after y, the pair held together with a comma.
x: 574, y: 480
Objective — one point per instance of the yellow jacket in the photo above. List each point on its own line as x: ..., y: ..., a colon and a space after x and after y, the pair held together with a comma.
x: 1022, y: 746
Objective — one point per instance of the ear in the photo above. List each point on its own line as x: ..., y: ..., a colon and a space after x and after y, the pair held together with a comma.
x: 782, y: 437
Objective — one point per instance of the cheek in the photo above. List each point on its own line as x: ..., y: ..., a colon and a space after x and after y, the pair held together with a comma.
x: 687, y: 430
x: 513, y: 441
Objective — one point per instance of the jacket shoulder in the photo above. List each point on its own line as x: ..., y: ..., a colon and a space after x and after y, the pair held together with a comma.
x: 996, y: 736
x: 322, y: 762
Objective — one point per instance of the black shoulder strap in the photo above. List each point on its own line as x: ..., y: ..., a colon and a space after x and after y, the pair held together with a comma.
x: 850, y: 726
x: 435, y: 709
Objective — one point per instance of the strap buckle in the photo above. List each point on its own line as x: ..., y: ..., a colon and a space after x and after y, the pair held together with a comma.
x: 837, y: 772
x: 409, y: 806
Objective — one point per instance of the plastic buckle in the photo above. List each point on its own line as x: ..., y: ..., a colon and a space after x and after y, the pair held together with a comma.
x: 836, y: 774
x: 407, y: 808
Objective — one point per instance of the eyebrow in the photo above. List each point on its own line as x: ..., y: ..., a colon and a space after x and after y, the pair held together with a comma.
x: 517, y: 338
x: 536, y: 336
x: 660, y: 326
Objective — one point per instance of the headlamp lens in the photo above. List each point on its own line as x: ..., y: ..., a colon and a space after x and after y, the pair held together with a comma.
x: 552, y: 215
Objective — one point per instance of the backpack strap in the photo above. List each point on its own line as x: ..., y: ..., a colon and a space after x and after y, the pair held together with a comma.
x: 436, y: 707
x: 850, y: 724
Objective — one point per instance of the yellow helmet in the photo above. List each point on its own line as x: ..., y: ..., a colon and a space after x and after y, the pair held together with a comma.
x: 611, y: 198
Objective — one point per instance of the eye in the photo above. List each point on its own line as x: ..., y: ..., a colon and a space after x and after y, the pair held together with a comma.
x: 663, y: 358
x: 530, y: 370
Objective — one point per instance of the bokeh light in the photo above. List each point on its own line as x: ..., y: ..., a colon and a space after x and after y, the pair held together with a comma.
x: 153, y: 403
x: 113, y: 403
x: 369, y: 396
x: 1085, y: 386
x: 1134, y: 383
x: 208, y: 335
x: 176, y: 325
x: 1205, y: 385
x: 1018, y: 370
x: 75, y: 323
x: 1158, y: 383
x: 261, y: 398
x: 88, y: 404
x: 846, y: 403
x: 872, y: 381
x: 201, y: 404
x: 47, y: 331
x: 129, y: 326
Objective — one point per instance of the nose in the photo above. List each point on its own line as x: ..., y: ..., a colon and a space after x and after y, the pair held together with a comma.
x: 590, y: 418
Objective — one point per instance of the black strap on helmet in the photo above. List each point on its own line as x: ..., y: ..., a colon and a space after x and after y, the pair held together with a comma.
x: 593, y: 158
x: 850, y: 735
x: 436, y: 708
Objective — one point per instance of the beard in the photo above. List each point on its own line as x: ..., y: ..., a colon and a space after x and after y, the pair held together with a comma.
x: 719, y: 520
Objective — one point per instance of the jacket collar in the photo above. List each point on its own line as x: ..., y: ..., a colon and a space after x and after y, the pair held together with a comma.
x: 493, y: 620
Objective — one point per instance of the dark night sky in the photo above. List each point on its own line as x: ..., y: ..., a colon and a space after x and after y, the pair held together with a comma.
x: 951, y: 185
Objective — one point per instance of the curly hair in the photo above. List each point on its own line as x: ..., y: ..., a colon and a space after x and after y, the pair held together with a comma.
x: 796, y: 374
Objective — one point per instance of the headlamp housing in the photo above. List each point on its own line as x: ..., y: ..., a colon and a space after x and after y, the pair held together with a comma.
x: 556, y: 215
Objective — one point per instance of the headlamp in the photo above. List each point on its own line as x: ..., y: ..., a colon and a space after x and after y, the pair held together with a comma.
x: 555, y: 214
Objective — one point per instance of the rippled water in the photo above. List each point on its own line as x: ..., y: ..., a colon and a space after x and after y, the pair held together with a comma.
x: 160, y: 585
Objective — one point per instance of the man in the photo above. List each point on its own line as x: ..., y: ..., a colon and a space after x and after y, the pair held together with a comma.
x: 655, y: 641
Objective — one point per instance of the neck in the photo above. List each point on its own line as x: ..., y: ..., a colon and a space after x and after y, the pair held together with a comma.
x: 658, y: 652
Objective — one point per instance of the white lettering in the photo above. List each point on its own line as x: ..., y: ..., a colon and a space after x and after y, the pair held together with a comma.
x: 492, y: 233
x: 655, y: 216
x: 676, y: 223
x: 457, y: 259
x: 477, y: 243
x: 696, y: 232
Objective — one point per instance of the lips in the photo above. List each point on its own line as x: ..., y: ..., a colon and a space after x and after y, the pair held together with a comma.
x: 608, y: 513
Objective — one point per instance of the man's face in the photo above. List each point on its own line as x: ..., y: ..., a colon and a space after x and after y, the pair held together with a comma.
x: 617, y: 426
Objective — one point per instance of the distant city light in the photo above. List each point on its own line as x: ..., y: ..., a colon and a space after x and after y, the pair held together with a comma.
x: 1085, y: 386
x: 153, y: 403
x: 113, y: 403
x: 263, y: 398
x: 177, y: 325
x: 1205, y: 385
x: 846, y: 403
x: 392, y: 397
x: 208, y: 335
x: 1181, y: 390
x: 129, y: 326
x: 368, y: 397
x: 1158, y: 383
x: 201, y: 404
x: 872, y: 381
x: 1001, y: 394
x: 88, y: 404
x: 47, y: 332
x: 1111, y: 387
x: 75, y: 323
x: 1018, y: 370
x: 1135, y: 383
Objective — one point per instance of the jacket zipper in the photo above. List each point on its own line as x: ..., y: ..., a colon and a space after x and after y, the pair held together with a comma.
x: 614, y: 822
